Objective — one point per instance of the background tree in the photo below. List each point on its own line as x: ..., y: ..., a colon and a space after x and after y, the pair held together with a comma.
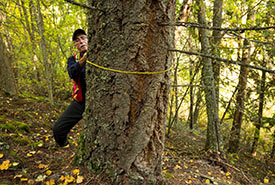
x: 125, y: 113
x: 8, y: 84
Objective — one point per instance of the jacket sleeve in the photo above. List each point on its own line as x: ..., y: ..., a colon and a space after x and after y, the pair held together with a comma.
x: 73, y: 68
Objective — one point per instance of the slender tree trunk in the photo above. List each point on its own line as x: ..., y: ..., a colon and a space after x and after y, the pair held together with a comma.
x: 217, y: 22
x: 125, y: 113
x: 272, y: 155
x: 8, y: 84
x: 260, y: 113
x: 43, y: 46
x: 191, y: 98
x: 30, y: 39
x: 214, y: 138
x: 235, y: 133
x: 197, y: 106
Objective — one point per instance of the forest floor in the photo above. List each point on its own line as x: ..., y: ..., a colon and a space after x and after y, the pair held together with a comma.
x: 28, y: 154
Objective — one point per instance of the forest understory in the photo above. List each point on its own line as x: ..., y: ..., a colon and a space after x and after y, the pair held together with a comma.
x: 28, y: 154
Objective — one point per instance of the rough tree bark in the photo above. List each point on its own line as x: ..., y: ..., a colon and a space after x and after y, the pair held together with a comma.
x: 125, y: 113
x: 8, y: 84
x: 214, y: 140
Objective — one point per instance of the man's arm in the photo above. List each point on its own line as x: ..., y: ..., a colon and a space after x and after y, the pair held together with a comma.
x: 74, y: 68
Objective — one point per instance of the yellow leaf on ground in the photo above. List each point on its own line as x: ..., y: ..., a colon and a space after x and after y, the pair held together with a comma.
x: 79, y: 179
x: 17, y: 176
x: 5, y: 165
x: 62, y: 178
x: 177, y: 167
x: 71, y: 179
x: 207, y: 181
x: 24, y: 179
x: 227, y: 174
x: 209, y: 173
x: 29, y: 154
x: 1, y: 156
x: 51, y: 182
x: 40, y: 166
x: 266, y: 181
x: 76, y: 171
x: 48, y: 172
x: 15, y: 164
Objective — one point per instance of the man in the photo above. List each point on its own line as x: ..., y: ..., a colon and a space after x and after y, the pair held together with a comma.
x: 76, y: 70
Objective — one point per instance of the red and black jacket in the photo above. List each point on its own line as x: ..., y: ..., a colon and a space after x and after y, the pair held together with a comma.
x: 77, y: 73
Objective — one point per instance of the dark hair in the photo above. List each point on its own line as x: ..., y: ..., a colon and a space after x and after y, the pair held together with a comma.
x: 77, y: 32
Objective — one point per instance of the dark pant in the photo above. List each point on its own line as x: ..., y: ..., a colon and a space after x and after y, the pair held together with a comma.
x: 66, y: 121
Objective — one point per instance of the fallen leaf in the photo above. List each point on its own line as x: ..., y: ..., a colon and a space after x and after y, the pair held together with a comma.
x: 177, y: 167
x: 76, y: 171
x: 40, y: 166
x: 29, y: 154
x: 31, y: 181
x: 1, y: 156
x: 17, y: 176
x: 15, y: 164
x: 48, y: 172
x: 79, y: 179
x: 207, y: 181
x: 51, y: 182
x: 266, y: 181
x: 24, y: 179
x: 71, y: 179
x: 5, y: 165
x: 40, y: 178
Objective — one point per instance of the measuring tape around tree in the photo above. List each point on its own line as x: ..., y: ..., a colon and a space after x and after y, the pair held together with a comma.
x: 130, y: 72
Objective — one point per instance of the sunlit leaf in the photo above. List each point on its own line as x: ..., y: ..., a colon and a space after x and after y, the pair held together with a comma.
x: 15, y: 164
x: 17, y: 176
x: 40, y: 178
x: 207, y: 181
x: 51, y: 182
x: 41, y: 166
x: 76, y: 171
x: 48, y: 172
x: 177, y: 167
x: 79, y: 179
x: 266, y: 181
x: 1, y: 156
x: 5, y: 165
x: 71, y: 179
x: 24, y: 179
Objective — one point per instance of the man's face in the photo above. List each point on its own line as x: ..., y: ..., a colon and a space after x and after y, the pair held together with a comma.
x: 81, y: 43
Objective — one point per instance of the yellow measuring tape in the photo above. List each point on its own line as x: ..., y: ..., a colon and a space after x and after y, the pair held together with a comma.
x: 130, y: 72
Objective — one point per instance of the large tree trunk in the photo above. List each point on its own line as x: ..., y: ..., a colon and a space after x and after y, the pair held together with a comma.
x: 125, y: 113
x: 8, y: 84
x: 214, y: 138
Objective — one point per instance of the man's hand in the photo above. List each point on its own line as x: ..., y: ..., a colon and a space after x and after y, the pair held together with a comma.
x: 82, y: 61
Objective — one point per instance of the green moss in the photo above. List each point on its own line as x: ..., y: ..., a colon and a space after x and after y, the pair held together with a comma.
x: 2, y: 119
x: 15, y: 126
x: 8, y: 126
x: 21, y: 140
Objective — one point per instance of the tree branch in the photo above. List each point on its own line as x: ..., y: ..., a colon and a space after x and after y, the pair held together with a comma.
x: 224, y: 60
x: 83, y: 5
x: 196, y: 25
